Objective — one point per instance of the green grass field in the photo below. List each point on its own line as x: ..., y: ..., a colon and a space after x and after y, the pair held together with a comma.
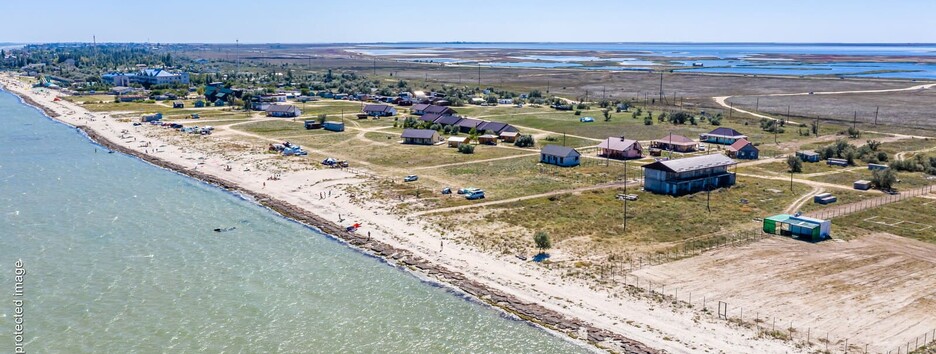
x: 914, y: 218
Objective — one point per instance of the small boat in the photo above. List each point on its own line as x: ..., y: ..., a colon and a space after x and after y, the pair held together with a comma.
x: 225, y: 229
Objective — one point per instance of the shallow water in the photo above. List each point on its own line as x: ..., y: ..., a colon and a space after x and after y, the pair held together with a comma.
x: 121, y: 258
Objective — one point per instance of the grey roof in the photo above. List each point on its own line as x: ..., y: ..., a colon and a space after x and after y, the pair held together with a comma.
x: 449, y: 120
x: 418, y: 133
x: 470, y: 123
x: 675, y: 139
x: 420, y: 107
x: 430, y: 117
x: 439, y: 109
x: 281, y: 108
x: 724, y: 131
x: 618, y: 144
x: 691, y: 163
x: 807, y: 153
x: 556, y: 150
x: 377, y: 108
x: 496, y: 127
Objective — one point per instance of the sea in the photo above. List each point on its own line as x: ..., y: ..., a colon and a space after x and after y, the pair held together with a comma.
x: 724, y: 58
x: 120, y: 256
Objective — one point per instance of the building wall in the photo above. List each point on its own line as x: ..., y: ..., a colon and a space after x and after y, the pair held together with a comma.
x: 661, y: 182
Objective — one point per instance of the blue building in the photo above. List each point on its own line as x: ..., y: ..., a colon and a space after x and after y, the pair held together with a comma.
x: 559, y: 156
x: 808, y: 156
x: 722, y: 135
x: 688, y: 175
x: 333, y: 126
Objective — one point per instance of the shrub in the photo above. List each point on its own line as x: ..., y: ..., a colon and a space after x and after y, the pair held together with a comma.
x: 466, y: 148
x: 524, y: 141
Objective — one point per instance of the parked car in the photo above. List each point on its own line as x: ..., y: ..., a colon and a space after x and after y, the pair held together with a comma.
x: 410, y: 178
x: 467, y: 190
x: 476, y: 194
x: 446, y: 190
x: 586, y: 119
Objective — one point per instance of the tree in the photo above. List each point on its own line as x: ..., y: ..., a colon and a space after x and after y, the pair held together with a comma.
x: 524, y: 141
x: 873, y: 144
x: 884, y: 179
x: 541, y: 239
x: 853, y: 132
x: 680, y: 117
x: 607, y: 114
x: 648, y: 121
x: 795, y: 164
x: 716, y: 119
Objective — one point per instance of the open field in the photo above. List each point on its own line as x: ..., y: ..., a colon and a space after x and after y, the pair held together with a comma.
x: 912, y: 218
x: 875, y: 290
x: 908, y: 108
x: 581, y: 221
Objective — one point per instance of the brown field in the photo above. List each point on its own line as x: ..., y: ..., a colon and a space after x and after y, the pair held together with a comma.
x: 876, y: 290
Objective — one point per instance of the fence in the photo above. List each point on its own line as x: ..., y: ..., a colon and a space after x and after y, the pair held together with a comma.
x: 846, y: 209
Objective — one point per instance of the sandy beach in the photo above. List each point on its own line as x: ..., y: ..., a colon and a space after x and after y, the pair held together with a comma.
x: 323, y: 198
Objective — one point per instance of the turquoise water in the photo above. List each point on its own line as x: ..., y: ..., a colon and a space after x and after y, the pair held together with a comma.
x: 121, y: 258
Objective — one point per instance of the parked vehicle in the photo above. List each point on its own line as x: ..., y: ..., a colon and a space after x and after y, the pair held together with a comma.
x: 410, y: 178
x: 467, y: 190
x: 586, y: 119
x: 446, y: 190
x: 475, y: 194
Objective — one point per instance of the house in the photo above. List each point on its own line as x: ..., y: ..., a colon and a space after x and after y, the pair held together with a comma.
x: 487, y: 139
x: 178, y: 104
x: 421, y: 136
x: 313, y: 124
x: 454, y: 141
x: 801, y: 227
x: 688, y: 175
x: 448, y: 120
x: 419, y: 109
x: 219, y: 102
x: 260, y: 105
x: 722, y: 135
x: 442, y: 110
x: 379, y: 110
x: 466, y: 124
x: 559, y: 156
x: 673, y: 142
x: 808, y: 156
x: 743, y: 149
x: 496, y: 127
x: 620, y: 148
x: 273, y: 97
x: 430, y: 118
x: 146, y: 77
x: 283, y: 111
x: 199, y: 104
x: 505, y: 101
x: 509, y: 137
x: 333, y: 126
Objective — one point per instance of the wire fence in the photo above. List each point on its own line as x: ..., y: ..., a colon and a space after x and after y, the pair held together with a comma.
x: 846, y: 209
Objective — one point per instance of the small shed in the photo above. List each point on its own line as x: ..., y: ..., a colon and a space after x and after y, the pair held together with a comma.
x: 824, y: 198
x: 178, y: 104
x: 808, y: 156
x: 509, y: 137
x: 862, y: 185
x: 199, y: 104
x: 313, y: 124
x: 333, y: 126
x: 151, y: 117
x: 219, y: 102
x: 454, y: 141
x: 801, y: 227
x: 487, y: 139
x: 876, y: 167
x: 837, y: 162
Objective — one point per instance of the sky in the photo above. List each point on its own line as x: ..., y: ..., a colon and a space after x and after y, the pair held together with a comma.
x: 367, y: 21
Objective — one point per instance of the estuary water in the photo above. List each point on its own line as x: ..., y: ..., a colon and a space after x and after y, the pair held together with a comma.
x: 121, y: 257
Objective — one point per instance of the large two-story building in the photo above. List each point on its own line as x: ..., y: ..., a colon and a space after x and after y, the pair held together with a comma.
x: 688, y: 175
x: 146, y: 77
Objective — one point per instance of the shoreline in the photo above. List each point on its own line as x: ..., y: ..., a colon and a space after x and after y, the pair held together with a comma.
x: 615, y: 320
x: 532, y: 313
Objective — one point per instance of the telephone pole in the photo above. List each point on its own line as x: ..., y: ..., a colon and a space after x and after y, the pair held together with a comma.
x: 876, y: 109
x: 661, y: 87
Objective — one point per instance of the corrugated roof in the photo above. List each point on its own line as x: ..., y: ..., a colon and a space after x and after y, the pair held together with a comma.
x: 418, y: 133
x: 725, y: 131
x: 470, y: 123
x: 438, y: 109
x: 738, y: 145
x: 617, y: 144
x: 376, y: 108
x: 675, y: 139
x: 691, y: 163
x: 420, y: 107
x: 449, y: 120
x: 281, y: 108
x: 557, y: 150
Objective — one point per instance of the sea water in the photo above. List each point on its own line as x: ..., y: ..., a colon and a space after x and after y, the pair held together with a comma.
x: 121, y: 257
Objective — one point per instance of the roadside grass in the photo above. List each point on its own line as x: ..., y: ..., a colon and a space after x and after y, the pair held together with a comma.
x: 652, y: 218
x: 272, y: 128
x: 843, y: 196
x: 912, y: 218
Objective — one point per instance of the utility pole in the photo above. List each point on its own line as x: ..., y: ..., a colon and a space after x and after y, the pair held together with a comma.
x: 791, y: 180
x: 661, y: 87
x: 625, y: 195
x: 730, y: 109
x: 479, y: 76
x: 375, y: 66
x: 757, y: 104
x: 876, y: 109
x: 237, y: 56
x: 855, y: 120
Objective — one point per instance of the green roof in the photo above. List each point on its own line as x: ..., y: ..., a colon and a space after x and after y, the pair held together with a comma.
x: 779, y: 217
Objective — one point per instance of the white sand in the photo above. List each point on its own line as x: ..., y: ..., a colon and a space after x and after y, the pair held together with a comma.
x: 656, y: 325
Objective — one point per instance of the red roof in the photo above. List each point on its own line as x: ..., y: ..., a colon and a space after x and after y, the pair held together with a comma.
x: 738, y: 145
